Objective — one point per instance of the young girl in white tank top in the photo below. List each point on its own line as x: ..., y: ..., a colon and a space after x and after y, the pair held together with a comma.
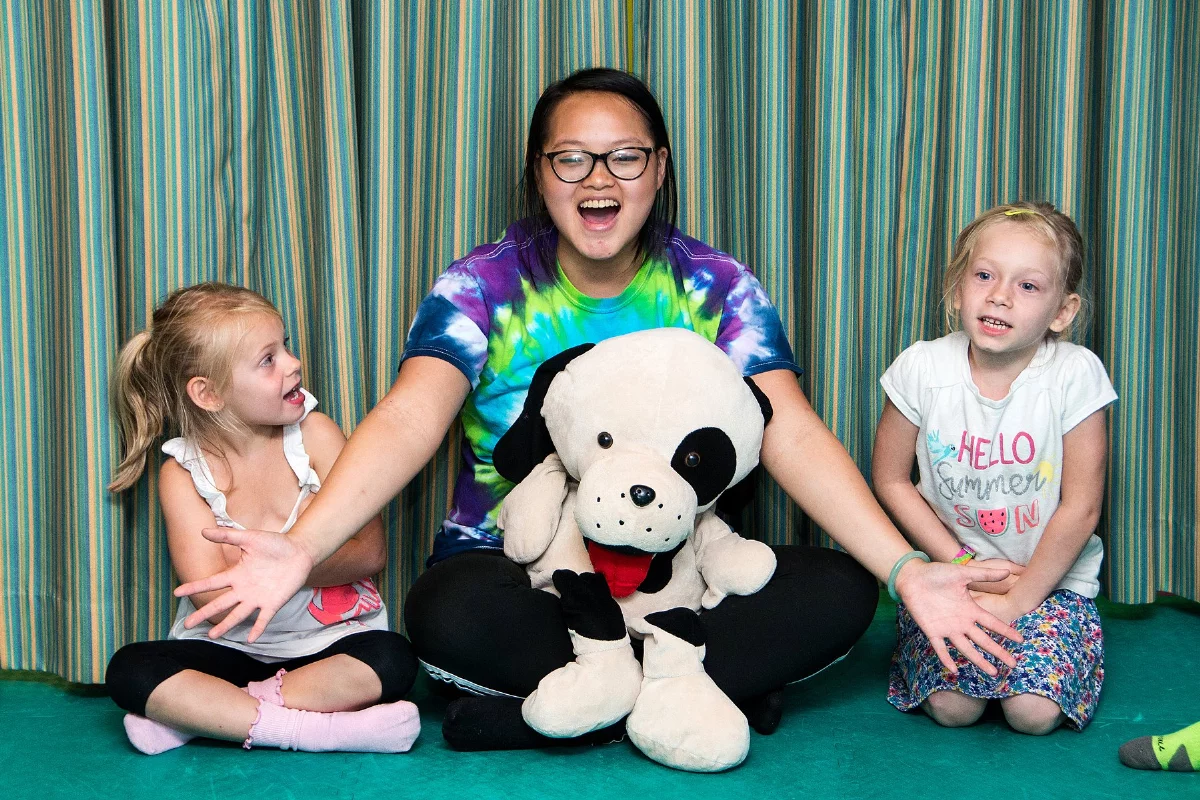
x: 327, y: 673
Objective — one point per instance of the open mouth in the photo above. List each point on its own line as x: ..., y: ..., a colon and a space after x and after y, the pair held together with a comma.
x: 295, y: 397
x: 599, y: 213
x: 993, y: 324
x: 624, y: 568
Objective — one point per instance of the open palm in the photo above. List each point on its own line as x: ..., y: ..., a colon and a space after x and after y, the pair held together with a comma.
x: 271, y: 569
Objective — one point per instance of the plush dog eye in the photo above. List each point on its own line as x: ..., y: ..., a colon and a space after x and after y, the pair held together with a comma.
x: 605, y: 439
x: 692, y: 459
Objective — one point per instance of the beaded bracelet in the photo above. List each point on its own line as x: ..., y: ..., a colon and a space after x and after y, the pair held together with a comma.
x: 904, y: 559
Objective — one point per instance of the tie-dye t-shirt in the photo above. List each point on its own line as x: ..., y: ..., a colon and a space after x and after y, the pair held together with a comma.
x: 491, y: 317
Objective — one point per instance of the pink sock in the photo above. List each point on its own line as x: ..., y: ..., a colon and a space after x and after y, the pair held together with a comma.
x: 385, y: 728
x: 270, y: 690
x: 153, y: 738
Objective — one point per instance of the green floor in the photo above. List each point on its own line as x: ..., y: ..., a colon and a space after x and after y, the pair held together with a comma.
x: 839, y: 738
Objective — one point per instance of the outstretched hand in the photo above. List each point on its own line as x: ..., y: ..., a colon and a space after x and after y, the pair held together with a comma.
x: 937, y: 598
x: 272, y: 568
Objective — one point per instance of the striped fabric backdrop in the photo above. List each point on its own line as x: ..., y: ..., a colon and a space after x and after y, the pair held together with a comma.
x: 336, y: 156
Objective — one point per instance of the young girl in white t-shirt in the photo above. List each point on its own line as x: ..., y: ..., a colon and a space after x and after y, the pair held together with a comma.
x: 1006, y: 423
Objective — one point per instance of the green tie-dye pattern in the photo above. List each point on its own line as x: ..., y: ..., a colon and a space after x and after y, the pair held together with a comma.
x: 547, y: 319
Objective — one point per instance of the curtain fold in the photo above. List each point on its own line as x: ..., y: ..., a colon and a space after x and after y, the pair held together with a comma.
x: 337, y: 156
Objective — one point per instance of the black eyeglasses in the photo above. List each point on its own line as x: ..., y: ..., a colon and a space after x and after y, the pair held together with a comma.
x: 573, y: 166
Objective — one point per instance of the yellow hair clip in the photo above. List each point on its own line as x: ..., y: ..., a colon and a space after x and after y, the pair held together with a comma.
x: 1012, y: 212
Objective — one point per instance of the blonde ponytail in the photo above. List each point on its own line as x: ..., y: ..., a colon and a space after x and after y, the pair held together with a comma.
x: 195, y: 332
x: 139, y: 406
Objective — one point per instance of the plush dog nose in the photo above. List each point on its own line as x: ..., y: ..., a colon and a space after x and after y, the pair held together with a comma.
x: 642, y: 495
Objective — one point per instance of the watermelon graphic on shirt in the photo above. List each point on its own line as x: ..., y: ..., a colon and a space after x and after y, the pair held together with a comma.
x: 993, y: 522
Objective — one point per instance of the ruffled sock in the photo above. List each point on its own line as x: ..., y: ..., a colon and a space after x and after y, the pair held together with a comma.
x: 270, y: 690
x: 152, y: 738
x: 384, y: 728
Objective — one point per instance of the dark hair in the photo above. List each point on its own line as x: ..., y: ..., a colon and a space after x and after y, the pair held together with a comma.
x: 660, y: 225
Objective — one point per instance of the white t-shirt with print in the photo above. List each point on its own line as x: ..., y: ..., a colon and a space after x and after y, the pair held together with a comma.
x: 991, y: 469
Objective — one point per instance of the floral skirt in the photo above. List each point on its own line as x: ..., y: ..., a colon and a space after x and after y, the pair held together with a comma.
x: 1062, y: 658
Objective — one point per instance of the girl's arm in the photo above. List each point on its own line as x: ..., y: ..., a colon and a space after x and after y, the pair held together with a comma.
x: 815, y: 470
x: 365, y: 553
x: 1085, y: 451
x: 386, y: 450
x: 891, y: 477
x: 891, y: 471
x: 192, y: 556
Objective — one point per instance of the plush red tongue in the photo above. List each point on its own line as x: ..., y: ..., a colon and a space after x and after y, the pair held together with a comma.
x: 623, y: 573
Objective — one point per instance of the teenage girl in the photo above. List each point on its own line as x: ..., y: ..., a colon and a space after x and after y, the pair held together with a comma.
x: 596, y: 254
x: 326, y: 673
x: 1006, y: 423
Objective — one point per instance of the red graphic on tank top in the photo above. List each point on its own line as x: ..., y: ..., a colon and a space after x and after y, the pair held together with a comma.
x: 332, y: 604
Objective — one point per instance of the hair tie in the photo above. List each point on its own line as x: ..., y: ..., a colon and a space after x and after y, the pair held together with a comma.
x: 1012, y: 212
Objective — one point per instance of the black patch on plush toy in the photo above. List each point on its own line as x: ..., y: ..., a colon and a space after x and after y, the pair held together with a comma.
x: 706, y: 459
x: 763, y: 401
x: 527, y: 443
x: 681, y: 622
x: 659, y: 574
x: 587, y: 606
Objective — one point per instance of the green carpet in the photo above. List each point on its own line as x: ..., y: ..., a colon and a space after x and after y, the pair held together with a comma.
x: 839, y: 738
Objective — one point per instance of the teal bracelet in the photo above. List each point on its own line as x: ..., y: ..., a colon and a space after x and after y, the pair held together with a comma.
x: 904, y: 559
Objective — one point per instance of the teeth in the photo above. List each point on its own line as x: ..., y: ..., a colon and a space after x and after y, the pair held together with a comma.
x: 599, y: 204
x: 995, y: 323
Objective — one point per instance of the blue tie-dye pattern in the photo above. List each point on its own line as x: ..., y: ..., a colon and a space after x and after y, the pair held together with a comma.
x: 488, y: 317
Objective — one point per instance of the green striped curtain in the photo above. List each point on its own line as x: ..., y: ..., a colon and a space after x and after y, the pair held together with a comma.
x: 336, y: 156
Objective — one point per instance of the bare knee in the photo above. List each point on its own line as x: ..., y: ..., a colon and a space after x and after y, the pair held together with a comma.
x: 337, y: 683
x: 1032, y: 714
x: 953, y: 709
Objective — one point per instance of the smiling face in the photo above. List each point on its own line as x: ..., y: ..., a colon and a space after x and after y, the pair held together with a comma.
x: 264, y: 387
x: 599, y: 218
x: 1010, y: 297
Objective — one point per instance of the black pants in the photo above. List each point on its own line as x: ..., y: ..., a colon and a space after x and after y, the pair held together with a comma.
x: 476, y: 616
x: 137, y: 669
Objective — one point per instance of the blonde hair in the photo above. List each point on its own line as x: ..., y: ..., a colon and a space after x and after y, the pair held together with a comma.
x: 1042, y: 218
x: 195, y: 332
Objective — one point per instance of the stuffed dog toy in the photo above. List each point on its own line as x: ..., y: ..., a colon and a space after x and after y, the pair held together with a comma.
x: 619, y: 457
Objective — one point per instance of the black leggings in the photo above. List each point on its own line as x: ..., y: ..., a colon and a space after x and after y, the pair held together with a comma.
x: 476, y: 617
x: 137, y: 669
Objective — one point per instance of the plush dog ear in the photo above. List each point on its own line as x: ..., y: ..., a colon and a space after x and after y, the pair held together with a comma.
x: 763, y: 402
x: 527, y: 443
x: 734, y: 500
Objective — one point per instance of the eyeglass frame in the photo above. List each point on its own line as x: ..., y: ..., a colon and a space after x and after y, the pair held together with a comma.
x: 598, y: 158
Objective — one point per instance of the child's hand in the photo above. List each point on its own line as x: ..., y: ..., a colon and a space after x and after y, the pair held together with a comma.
x: 1015, y: 571
x: 271, y: 569
x: 937, y: 598
x: 1001, y: 605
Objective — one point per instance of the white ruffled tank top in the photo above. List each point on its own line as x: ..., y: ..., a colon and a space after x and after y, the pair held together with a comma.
x: 315, y: 617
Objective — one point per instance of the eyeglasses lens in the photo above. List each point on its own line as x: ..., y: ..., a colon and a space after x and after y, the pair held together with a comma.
x: 575, y: 165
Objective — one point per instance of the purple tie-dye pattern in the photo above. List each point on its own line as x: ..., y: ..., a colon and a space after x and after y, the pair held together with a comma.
x: 489, y: 317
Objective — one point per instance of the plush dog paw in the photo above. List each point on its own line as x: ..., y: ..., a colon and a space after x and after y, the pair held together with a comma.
x: 600, y: 686
x: 729, y: 563
x: 530, y: 513
x: 681, y: 719
x: 595, y: 690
